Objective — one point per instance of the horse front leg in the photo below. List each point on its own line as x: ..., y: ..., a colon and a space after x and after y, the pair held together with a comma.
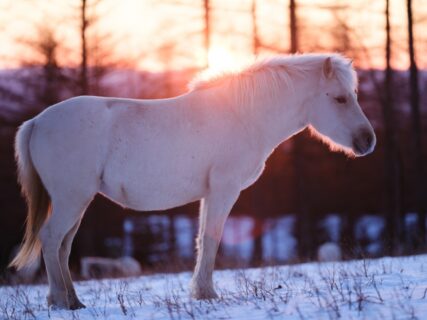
x: 214, y: 210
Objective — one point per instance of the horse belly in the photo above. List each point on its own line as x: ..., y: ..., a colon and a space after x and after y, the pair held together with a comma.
x: 159, y: 189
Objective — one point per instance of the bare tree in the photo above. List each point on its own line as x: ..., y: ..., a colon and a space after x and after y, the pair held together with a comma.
x: 207, y: 28
x: 393, y: 200
x: 257, y: 252
x: 304, y: 223
x: 42, y: 75
x: 84, y: 87
x: 341, y: 30
x: 47, y: 46
x: 293, y: 26
x: 416, y: 132
x: 42, y: 80
x: 255, y: 35
x: 96, y: 50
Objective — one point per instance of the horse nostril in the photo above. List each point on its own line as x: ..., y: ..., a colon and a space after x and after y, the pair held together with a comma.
x: 368, y: 138
x: 363, y: 141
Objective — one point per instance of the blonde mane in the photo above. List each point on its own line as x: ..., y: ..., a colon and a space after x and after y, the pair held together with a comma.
x: 272, y: 73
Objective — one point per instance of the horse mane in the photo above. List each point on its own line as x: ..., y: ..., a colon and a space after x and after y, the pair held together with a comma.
x: 271, y: 73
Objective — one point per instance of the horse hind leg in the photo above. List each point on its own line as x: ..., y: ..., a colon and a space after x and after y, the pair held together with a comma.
x: 65, y: 215
x: 64, y: 255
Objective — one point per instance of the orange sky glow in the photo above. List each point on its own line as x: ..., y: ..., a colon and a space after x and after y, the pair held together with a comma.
x: 158, y: 35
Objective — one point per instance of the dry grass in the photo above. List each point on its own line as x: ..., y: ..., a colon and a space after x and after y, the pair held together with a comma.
x: 366, y: 289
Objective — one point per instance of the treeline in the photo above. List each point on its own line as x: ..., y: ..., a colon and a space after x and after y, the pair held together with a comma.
x: 333, y: 183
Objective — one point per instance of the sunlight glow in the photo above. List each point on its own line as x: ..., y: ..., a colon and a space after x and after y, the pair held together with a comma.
x: 221, y: 59
x: 142, y: 40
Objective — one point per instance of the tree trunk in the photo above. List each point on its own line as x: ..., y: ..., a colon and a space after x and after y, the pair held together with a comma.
x: 418, y: 173
x: 255, y: 41
x: 304, y: 223
x: 84, y: 88
x: 207, y: 29
x: 293, y: 26
x: 393, y: 217
x: 258, y: 227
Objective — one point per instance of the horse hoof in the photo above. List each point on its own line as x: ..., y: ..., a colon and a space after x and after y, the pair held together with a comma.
x: 204, y: 294
x: 57, y: 304
x: 77, y: 305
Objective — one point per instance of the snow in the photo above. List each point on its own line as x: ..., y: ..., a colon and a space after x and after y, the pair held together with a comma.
x: 386, y: 288
x: 332, y: 224
x: 369, y: 228
x: 278, y: 241
x: 238, y: 241
x: 184, y: 236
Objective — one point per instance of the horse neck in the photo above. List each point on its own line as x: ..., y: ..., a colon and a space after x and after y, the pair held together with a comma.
x: 268, y: 117
x: 281, y: 115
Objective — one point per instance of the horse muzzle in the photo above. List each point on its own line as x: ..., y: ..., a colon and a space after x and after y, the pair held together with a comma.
x: 364, y: 142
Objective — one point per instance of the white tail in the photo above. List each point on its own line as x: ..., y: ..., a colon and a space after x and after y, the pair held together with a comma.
x: 37, y: 198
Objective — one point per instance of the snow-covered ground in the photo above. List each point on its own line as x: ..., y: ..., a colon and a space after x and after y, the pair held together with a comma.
x: 387, y: 288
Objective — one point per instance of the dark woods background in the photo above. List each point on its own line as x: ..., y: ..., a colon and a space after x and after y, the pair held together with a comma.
x: 302, y: 178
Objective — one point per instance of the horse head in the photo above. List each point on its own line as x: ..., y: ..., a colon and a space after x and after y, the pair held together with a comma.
x: 335, y: 112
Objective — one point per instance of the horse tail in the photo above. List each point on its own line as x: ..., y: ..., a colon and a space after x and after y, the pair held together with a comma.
x: 36, y: 195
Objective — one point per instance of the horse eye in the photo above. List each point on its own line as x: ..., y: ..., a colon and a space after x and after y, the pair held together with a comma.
x: 341, y: 99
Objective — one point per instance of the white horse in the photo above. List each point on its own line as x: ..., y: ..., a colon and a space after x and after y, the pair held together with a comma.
x: 208, y: 144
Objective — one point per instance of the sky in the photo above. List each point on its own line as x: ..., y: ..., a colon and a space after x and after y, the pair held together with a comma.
x: 167, y: 34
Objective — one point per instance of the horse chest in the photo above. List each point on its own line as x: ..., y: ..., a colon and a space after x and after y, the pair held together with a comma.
x: 238, y: 170
x: 252, y: 178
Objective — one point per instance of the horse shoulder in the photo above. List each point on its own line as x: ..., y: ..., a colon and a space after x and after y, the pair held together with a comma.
x: 240, y: 169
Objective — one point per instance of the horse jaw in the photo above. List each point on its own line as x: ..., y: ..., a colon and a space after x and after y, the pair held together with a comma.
x: 332, y: 145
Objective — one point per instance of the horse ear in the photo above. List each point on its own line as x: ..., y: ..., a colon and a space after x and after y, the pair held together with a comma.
x: 327, y: 68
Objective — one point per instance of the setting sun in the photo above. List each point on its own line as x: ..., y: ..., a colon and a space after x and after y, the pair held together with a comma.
x: 221, y: 59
